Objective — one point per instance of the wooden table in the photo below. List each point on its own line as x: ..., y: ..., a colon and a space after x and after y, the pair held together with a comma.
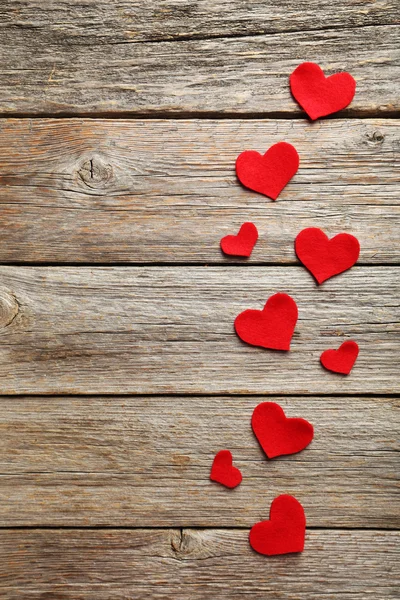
x: 120, y: 372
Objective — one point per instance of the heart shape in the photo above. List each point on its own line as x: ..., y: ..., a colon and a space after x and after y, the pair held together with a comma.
x: 276, y: 433
x: 318, y: 95
x: 323, y: 257
x: 284, y: 532
x: 222, y: 470
x: 241, y: 244
x: 270, y: 173
x: 271, y: 327
x: 341, y: 360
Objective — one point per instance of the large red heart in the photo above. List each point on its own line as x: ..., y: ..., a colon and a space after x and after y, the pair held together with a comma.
x: 319, y: 95
x: 284, y: 532
x: 241, y: 244
x: 270, y: 173
x: 222, y: 470
x: 276, y: 433
x: 341, y: 360
x: 323, y: 257
x: 271, y: 327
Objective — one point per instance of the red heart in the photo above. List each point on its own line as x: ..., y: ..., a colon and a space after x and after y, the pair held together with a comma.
x: 276, y: 433
x: 271, y: 327
x: 319, y: 95
x: 323, y: 257
x: 241, y: 244
x: 284, y: 532
x: 223, y: 471
x: 270, y: 173
x: 341, y: 360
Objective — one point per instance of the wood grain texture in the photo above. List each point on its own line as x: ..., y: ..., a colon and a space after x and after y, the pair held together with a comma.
x: 170, y: 330
x: 105, y: 565
x: 51, y: 70
x: 128, y: 21
x: 146, y: 462
x: 80, y: 190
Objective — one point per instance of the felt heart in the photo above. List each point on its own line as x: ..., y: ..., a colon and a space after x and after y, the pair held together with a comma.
x: 271, y: 327
x: 323, y: 257
x: 270, y: 173
x: 319, y: 95
x: 241, y: 244
x: 341, y: 360
x: 284, y: 532
x: 276, y: 433
x: 223, y: 471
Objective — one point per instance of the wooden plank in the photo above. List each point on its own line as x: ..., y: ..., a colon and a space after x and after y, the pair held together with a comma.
x: 106, y: 191
x: 170, y: 330
x: 154, y: 20
x: 146, y: 462
x: 70, y: 73
x: 105, y: 565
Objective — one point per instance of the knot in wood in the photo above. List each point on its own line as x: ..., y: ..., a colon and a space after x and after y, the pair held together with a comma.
x: 95, y: 173
x: 8, y: 308
x: 186, y: 543
x: 376, y: 138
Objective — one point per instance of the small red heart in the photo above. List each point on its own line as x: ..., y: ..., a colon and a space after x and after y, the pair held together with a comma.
x: 222, y: 470
x: 341, y: 360
x: 323, y: 257
x: 318, y: 95
x: 241, y: 244
x: 284, y: 532
x: 276, y: 433
x: 270, y: 173
x: 271, y: 327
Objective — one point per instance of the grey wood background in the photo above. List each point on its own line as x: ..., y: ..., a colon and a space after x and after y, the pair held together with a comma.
x: 120, y: 373
x: 128, y: 461
x: 170, y: 330
x: 103, y: 191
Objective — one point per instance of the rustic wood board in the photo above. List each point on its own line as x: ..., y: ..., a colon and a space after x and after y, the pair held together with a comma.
x: 145, y: 462
x: 69, y: 73
x: 170, y: 330
x: 76, y: 190
x: 124, y: 21
x: 121, y: 564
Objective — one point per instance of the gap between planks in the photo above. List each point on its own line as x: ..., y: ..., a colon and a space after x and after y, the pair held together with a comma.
x: 181, y: 528
x: 222, y: 264
x: 257, y: 395
x: 347, y: 113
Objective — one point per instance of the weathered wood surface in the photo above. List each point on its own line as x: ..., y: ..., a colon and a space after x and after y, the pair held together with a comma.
x: 145, y: 461
x: 193, y: 564
x: 166, y: 191
x: 60, y: 69
x: 151, y: 330
x: 125, y: 21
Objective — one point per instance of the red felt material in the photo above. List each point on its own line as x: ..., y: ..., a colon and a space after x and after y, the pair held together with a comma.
x: 270, y: 173
x: 271, y: 327
x: 241, y: 244
x: 284, y: 532
x: 323, y: 257
x: 318, y: 95
x: 341, y: 360
x: 222, y: 470
x: 276, y: 433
